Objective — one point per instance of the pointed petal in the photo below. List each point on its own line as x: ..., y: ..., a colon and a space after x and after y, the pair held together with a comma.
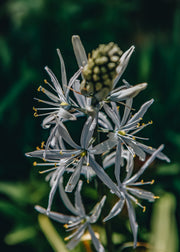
x: 123, y: 64
x: 76, y: 236
x: 103, y: 176
x: 78, y: 199
x: 128, y: 93
x: 141, y: 194
x: 107, y: 145
x: 118, y: 163
x: 96, y: 211
x: 56, y: 216
x: 113, y: 116
x: 139, y: 115
x: 65, y: 135
x: 66, y: 200
x: 72, y: 182
x: 79, y: 51
x: 151, y: 150
x: 145, y: 165
x: 132, y: 219
x: 116, y: 209
x: 63, y: 71
x: 98, y: 246
x: 60, y: 171
x: 127, y: 111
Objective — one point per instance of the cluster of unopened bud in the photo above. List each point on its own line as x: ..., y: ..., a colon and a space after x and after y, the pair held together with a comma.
x: 100, y: 71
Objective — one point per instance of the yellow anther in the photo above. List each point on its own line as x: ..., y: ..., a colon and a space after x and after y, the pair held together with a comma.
x: 40, y: 100
x: 152, y: 182
x: 45, y: 81
x: 64, y: 104
x: 88, y: 181
x: 66, y: 238
x: 140, y: 118
x: 72, y: 155
x: 43, y: 90
x: 143, y: 124
x: 37, y: 148
x: 142, y: 181
x: 39, y: 89
x: 34, y: 109
x: 118, y: 108
x: 156, y: 197
x: 144, y: 209
x: 134, y: 155
x: 151, y: 122
x: 35, y: 114
x: 133, y: 138
x: 83, y: 153
x: 65, y: 225
x: 34, y: 163
x: 122, y: 132
x: 42, y: 144
x: 61, y: 152
x: 138, y: 125
x: 87, y: 164
x: 55, y: 165
x: 149, y: 147
x: 44, y: 159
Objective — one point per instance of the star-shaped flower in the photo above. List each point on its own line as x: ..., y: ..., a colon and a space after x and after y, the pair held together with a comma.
x: 79, y: 222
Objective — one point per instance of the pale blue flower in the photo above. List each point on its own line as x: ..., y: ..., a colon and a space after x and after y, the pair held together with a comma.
x: 129, y: 191
x: 79, y: 222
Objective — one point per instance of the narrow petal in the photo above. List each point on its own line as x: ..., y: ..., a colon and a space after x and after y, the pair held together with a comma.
x: 65, y: 135
x: 72, y: 182
x: 128, y: 93
x: 145, y: 166
x: 56, y: 216
x: 97, y: 210
x: 151, y: 150
x: 98, y: 246
x: 66, y: 200
x: 115, y: 210
x: 79, y: 51
x: 123, y: 64
x: 78, y: 199
x: 107, y: 145
x: 76, y: 236
x: 141, y: 194
x: 127, y: 111
x: 117, y: 168
x: 113, y: 116
x: 60, y: 171
x: 132, y: 219
x: 103, y: 176
x: 139, y: 115
x: 63, y: 71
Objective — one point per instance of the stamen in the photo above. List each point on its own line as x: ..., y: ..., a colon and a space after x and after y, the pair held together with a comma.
x: 42, y: 144
x: 152, y: 182
x: 35, y: 114
x: 156, y: 197
x: 144, y: 209
x: 34, y: 163
x: 37, y: 148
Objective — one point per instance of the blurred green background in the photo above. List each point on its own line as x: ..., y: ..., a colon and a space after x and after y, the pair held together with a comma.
x: 30, y: 32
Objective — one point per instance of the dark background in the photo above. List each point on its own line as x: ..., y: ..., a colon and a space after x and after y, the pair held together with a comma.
x: 30, y: 32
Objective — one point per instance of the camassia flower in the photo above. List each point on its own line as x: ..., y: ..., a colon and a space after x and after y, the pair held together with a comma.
x: 79, y: 222
x: 130, y: 191
x: 75, y: 158
x: 61, y: 106
x: 126, y: 128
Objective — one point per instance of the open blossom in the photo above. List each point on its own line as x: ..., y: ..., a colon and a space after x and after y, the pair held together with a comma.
x: 60, y: 103
x: 130, y: 191
x: 125, y: 130
x: 79, y: 222
x: 62, y: 159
